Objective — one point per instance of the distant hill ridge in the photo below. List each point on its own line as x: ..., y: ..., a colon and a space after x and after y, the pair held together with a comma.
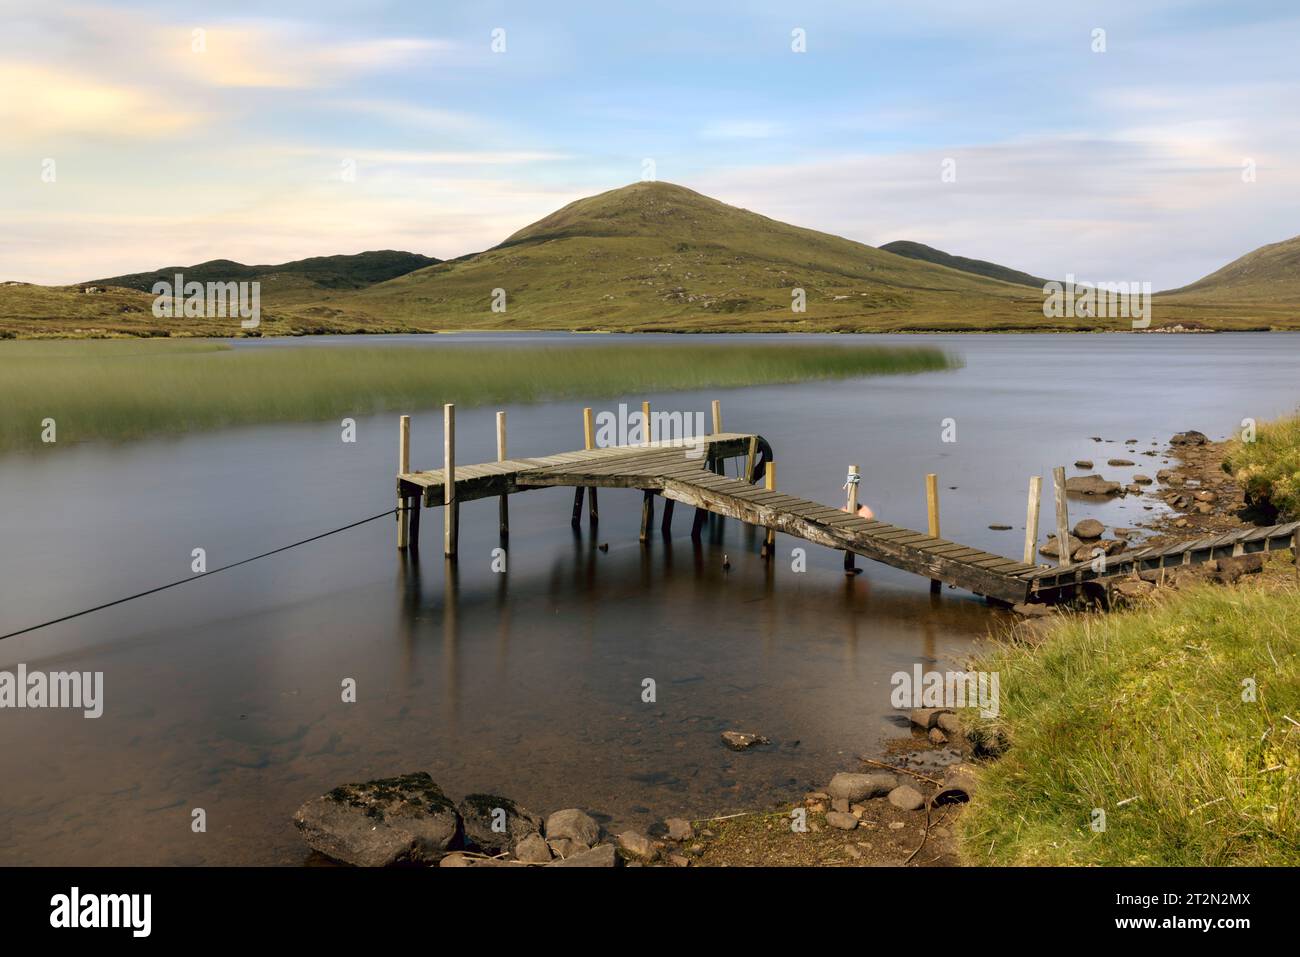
x: 979, y: 267
x: 326, y: 272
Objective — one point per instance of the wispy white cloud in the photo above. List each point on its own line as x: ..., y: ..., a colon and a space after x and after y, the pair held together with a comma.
x: 273, y: 54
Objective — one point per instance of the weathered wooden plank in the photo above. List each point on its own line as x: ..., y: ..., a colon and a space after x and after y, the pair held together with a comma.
x: 976, y: 579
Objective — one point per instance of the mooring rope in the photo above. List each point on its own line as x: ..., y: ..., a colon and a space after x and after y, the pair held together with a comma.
x: 198, y: 575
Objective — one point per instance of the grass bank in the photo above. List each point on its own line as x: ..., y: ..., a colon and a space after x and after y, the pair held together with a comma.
x: 119, y: 389
x: 1268, y: 467
x: 1141, y: 714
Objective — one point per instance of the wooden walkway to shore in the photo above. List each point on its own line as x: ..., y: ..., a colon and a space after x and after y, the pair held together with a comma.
x: 1050, y: 583
x: 690, y: 471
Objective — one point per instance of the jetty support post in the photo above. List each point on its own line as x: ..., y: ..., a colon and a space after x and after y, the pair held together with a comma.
x: 1031, y: 517
x: 451, y: 507
x: 647, y: 514
x: 932, y: 514
x: 769, y: 544
x: 851, y: 506
x: 1062, y: 518
x: 403, y: 466
x: 576, y: 519
x: 501, y: 457
x: 645, y: 423
x: 750, y: 454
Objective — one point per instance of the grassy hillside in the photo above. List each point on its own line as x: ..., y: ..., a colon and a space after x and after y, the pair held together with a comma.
x: 122, y: 305
x: 655, y: 256
x: 979, y: 267
x: 1141, y: 714
x: 1270, y: 274
x: 1261, y: 290
x: 29, y: 311
x: 125, y: 389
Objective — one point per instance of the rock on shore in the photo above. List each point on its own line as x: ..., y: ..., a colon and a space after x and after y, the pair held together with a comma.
x: 859, y: 787
x: 483, y: 814
x: 400, y: 820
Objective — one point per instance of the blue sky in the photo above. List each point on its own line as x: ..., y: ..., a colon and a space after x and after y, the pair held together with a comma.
x: 337, y: 127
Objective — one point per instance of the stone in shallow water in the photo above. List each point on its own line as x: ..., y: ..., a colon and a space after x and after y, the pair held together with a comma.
x: 679, y: 829
x: 741, y: 740
x: 1092, y: 485
x: 400, y: 820
x: 494, y: 824
x: 1049, y: 548
x: 574, y: 825
x: 1089, y: 528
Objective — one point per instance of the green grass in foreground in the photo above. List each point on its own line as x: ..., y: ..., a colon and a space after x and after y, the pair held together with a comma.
x: 117, y: 389
x: 1147, y: 705
x: 1269, y: 467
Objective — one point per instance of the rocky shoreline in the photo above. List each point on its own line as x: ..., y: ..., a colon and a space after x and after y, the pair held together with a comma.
x: 1203, y: 500
x: 883, y: 814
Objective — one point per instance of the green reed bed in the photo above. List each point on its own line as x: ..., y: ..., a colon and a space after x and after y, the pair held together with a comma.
x: 121, y: 389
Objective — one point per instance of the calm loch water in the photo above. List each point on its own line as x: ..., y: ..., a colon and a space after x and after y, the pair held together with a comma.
x: 224, y: 694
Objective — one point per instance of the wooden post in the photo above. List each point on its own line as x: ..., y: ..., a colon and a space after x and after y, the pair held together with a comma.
x: 717, y: 417
x: 501, y: 457
x: 769, y: 546
x: 851, y: 505
x: 932, y: 513
x: 698, y: 522
x: 750, y: 455
x: 403, y: 466
x: 647, y: 514
x: 576, y: 520
x: 1031, y: 518
x: 416, y: 503
x: 1062, y: 518
x: 589, y: 443
x: 667, y: 526
x: 451, y: 507
x: 645, y: 423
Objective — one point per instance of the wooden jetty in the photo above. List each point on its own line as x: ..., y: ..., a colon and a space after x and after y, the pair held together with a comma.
x: 689, y: 471
x: 1054, y: 583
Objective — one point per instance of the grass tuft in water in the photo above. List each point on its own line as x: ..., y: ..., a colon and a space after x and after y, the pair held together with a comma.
x: 122, y: 389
